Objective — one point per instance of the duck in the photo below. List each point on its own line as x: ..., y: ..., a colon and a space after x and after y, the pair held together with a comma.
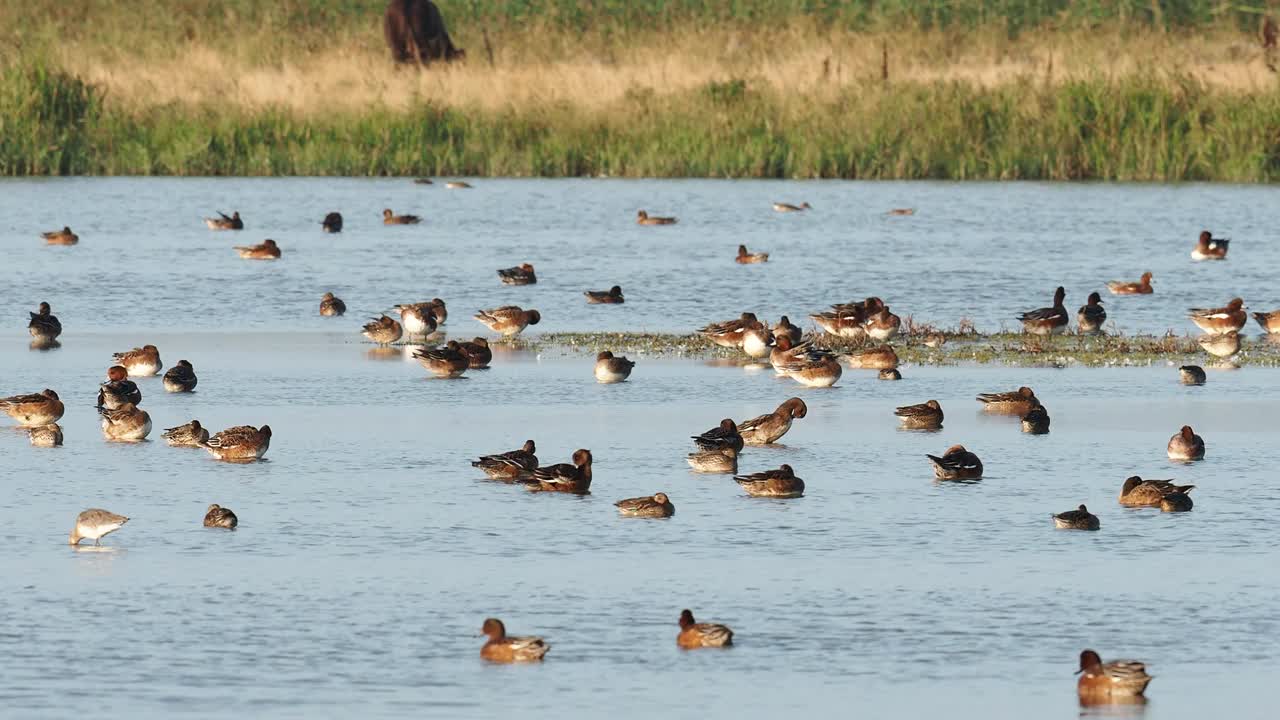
x: 842, y: 324
x: 925, y: 416
x: 1091, y: 316
x: 786, y: 350
x: 729, y: 333
x: 757, y: 340
x: 788, y: 207
x: 267, y: 250
x: 694, y: 635
x: 1137, y: 492
x: 767, y: 429
x: 331, y: 306
x: 883, y: 357
x: 610, y: 369
x: 902, y: 211
x: 521, y: 274
x: 784, y: 327
x: 1223, y: 346
x: 656, y: 506
x: 612, y: 296
x: 1046, y: 321
x: 1268, y: 321
x: 417, y: 318
x: 127, y: 423
x: 1078, y: 519
x: 180, y: 378
x: 423, y: 181
x: 1117, y: 679
x: 192, y: 434
x: 1192, y: 375
x: 1176, y: 502
x: 220, y: 517
x: 746, y: 258
x: 34, y: 410
x: 223, y: 222
x: 1209, y: 247
x: 118, y: 389
x: 95, y: 524
x: 332, y: 222
x: 140, y: 362
x: 46, y: 435
x: 1219, y: 321
x: 935, y: 340
x: 882, y: 325
x: 956, y: 463
x: 723, y: 435
x: 478, y: 353
x: 508, y: 320
x: 566, y: 478
x: 815, y: 368
x: 444, y: 362
x: 439, y: 309
x: 457, y: 185
x: 643, y: 218
x: 1017, y: 402
x: 510, y: 465
x: 44, y: 325
x: 780, y: 483
x: 1035, y: 421
x: 390, y: 218
x: 502, y: 648
x: 242, y: 443
x: 383, y: 330
x: 889, y: 374
x: 723, y: 460
x: 1186, y: 445
x: 1142, y: 287
x: 60, y: 237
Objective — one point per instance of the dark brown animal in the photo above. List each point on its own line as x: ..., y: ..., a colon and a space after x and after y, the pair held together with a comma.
x: 415, y: 32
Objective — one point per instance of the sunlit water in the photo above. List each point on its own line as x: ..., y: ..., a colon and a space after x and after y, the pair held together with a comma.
x: 369, y: 550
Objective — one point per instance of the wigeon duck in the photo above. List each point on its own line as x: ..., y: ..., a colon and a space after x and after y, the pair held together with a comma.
x: 1209, y: 247
x: 383, y: 330
x: 1137, y: 492
x: 478, y: 353
x: 34, y: 410
x: 840, y: 324
x: 522, y: 274
x: 1176, y: 502
x: 757, y: 340
x: 60, y: 237
x: 643, y: 218
x: 1192, y: 375
x: 723, y: 435
x: 780, y: 483
x: 439, y: 310
x: 127, y: 423
x: 1142, y: 287
x: 457, y: 185
x: 508, y: 320
x: 889, y: 374
x: 1270, y: 321
x: 46, y: 435
x: 657, y: 506
x: 882, y: 325
x: 444, y: 362
x: 118, y: 389
x: 876, y: 358
x: 423, y: 181
x: 956, y: 464
x: 767, y: 429
x: 717, y: 460
x: 746, y: 258
x: 390, y: 218
x: 44, y: 325
x: 610, y: 369
x: 267, y: 250
x: 1035, y: 421
x: 180, y: 378
x: 510, y: 465
x: 902, y: 211
x: 1017, y: 402
x: 1223, y: 346
x: 95, y: 524
x: 1091, y: 316
x: 223, y: 222
x: 694, y: 635
x: 786, y: 350
x: 332, y: 222
x: 728, y: 334
x: 140, y: 362
x: 193, y: 434
x: 925, y: 416
x: 815, y: 368
x: 220, y: 517
x: 1186, y: 445
x: 331, y: 306
x: 242, y: 443
x: 784, y: 327
x: 566, y: 478
x: 1103, y: 682
x: 1050, y: 320
x: 788, y: 207
x: 1219, y: 321
x: 503, y: 648
x: 1078, y: 519
x: 417, y: 318
x: 612, y: 296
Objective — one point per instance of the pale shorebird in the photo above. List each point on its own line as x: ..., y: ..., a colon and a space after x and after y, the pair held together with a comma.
x: 94, y: 524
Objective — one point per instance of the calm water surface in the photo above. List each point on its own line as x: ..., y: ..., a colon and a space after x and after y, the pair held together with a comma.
x: 369, y: 551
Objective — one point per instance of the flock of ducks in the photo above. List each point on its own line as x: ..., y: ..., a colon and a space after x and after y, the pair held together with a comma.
x: 783, y: 345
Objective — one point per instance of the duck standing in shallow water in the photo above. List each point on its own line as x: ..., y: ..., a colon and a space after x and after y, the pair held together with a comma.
x: 34, y: 410
x: 1078, y: 519
x: 1101, y: 682
x: 223, y: 222
x: 1047, y: 321
x: 510, y: 465
x: 883, y: 357
x: 956, y: 464
x: 767, y: 429
x: 1186, y: 445
x: 814, y: 368
x: 242, y: 443
x: 180, y: 378
x: 417, y: 318
x: 1268, y: 321
x: 1221, y: 346
x: 140, y: 362
x: 655, y: 506
x: 508, y: 320
x: 444, y: 362
x: 479, y: 355
x: 331, y: 306
x: 193, y: 434
x: 127, y: 423
x: 118, y: 389
x: 60, y: 237
x: 503, y: 648
x: 383, y: 330
x: 1142, y: 287
x: 95, y: 524
x: 220, y: 517
x: 643, y: 218
x: 1220, y: 321
x: 44, y: 325
x: 1091, y: 316
x: 1209, y: 247
x: 729, y: 333
x: 610, y: 369
x: 694, y: 635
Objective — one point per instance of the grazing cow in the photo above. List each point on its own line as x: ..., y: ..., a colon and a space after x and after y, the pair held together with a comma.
x: 415, y: 33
